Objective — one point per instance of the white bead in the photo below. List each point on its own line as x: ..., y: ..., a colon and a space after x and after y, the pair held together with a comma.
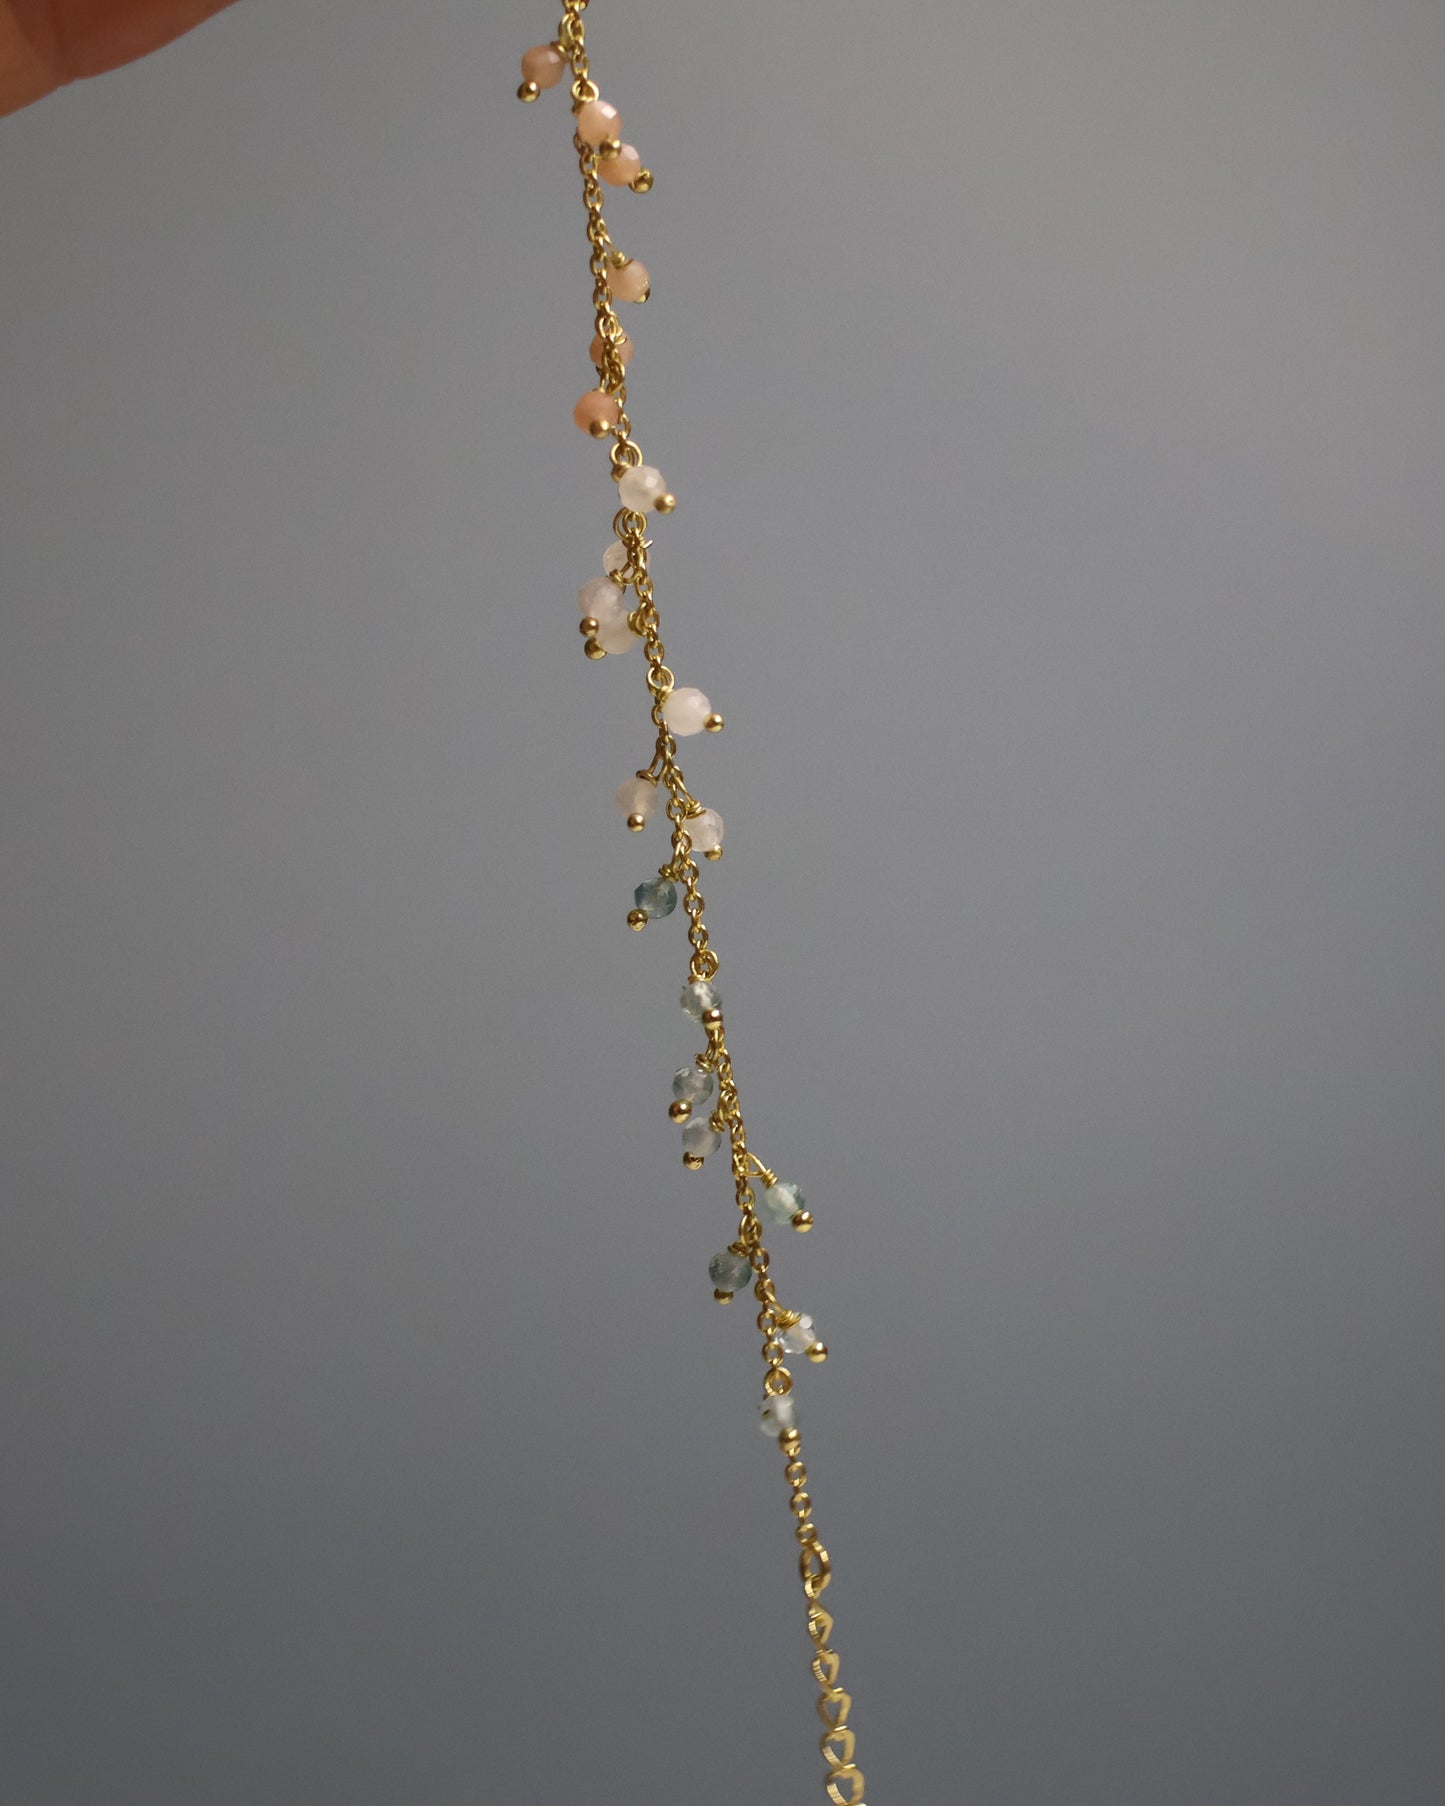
x: 686, y: 710
x: 602, y: 599
x: 637, y: 797
x: 614, y: 635
x: 698, y: 998
x: 705, y: 830
x: 641, y: 487
x: 700, y: 1137
x: 615, y: 557
x: 778, y: 1414
x: 799, y: 1337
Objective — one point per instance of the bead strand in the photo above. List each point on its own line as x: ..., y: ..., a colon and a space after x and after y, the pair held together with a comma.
x: 611, y: 626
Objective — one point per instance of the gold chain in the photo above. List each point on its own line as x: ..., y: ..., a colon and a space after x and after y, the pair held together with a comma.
x: 843, y: 1782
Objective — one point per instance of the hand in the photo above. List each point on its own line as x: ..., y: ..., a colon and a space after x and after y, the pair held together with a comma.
x: 46, y: 43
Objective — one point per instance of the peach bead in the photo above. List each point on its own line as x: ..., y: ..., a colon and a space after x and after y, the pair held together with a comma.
x: 596, y: 407
x: 598, y: 121
x: 620, y: 170
x: 624, y: 350
x: 631, y: 282
x: 543, y: 65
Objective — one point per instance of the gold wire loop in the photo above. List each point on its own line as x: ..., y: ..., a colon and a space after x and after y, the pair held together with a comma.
x: 834, y: 1705
x: 815, y: 1568
x: 833, y: 1786
x: 838, y: 1746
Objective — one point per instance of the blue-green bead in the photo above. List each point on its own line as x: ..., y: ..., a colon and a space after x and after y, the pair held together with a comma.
x: 729, y: 1272
x: 698, y: 998
x: 658, y: 897
x: 692, y: 1085
x: 782, y: 1201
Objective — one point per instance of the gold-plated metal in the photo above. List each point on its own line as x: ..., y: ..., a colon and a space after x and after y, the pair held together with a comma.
x: 593, y: 649
x: 588, y: 625
x: 528, y: 91
x: 599, y: 429
x: 802, y: 1221
x: 637, y: 823
x: 843, y: 1780
x: 637, y: 918
x: 665, y: 503
x: 713, y: 854
x: 818, y: 1353
x: 609, y: 148
x: 679, y: 1110
x: 714, y: 723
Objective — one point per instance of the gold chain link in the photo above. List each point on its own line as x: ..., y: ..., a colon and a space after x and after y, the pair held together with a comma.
x: 843, y: 1782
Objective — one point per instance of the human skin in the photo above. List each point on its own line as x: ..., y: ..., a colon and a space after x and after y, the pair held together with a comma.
x: 46, y: 43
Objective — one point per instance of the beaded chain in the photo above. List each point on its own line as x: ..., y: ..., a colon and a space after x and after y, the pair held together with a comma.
x: 611, y: 625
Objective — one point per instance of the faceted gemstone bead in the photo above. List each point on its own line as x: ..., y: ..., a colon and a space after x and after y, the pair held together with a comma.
x: 641, y: 488
x: 705, y: 830
x: 637, y: 797
x: 686, y: 710
x: 658, y: 897
x: 616, y: 635
x: 596, y: 409
x: 620, y: 170
x: 624, y: 350
x: 700, y: 1138
x: 543, y: 64
x: 729, y: 1272
x: 632, y: 282
x: 778, y: 1414
x: 598, y: 121
x: 799, y: 1337
x: 615, y: 557
x: 601, y: 598
x: 698, y: 998
x: 692, y: 1085
x: 782, y: 1201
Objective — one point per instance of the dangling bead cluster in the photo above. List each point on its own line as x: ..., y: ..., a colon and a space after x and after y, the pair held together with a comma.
x: 599, y: 124
x: 617, y: 611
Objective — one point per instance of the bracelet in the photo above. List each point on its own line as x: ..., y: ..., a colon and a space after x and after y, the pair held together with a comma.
x: 705, y: 1094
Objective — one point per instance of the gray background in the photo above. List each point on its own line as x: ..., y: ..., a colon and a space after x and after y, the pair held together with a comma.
x: 1054, y: 395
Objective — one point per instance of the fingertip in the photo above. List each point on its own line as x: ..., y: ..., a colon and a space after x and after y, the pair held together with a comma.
x: 46, y: 43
